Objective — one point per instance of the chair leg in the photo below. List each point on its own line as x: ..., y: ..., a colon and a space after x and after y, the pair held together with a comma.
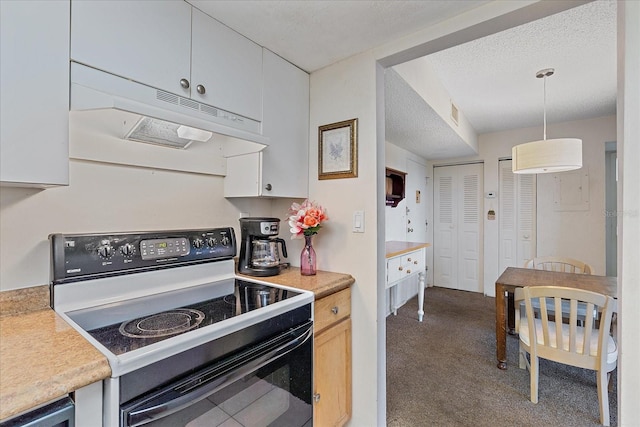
x: 534, y: 366
x: 522, y: 358
x: 603, y: 397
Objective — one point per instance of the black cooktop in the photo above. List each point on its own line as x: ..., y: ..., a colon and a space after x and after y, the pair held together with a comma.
x: 137, y: 332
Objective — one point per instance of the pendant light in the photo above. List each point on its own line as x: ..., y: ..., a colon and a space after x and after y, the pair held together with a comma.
x: 547, y: 155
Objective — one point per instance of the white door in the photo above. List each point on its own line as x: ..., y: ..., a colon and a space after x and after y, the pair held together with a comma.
x: 458, y: 226
x: 414, y: 224
x: 415, y: 191
x: 516, y: 217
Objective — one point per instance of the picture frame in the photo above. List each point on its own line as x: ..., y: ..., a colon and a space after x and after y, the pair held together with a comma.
x: 338, y: 150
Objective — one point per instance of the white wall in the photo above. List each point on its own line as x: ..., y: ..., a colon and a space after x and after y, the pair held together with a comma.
x: 629, y: 212
x: 107, y: 198
x: 577, y: 234
x: 344, y: 91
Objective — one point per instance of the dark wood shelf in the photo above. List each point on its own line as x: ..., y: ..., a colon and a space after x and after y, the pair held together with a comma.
x: 394, y: 187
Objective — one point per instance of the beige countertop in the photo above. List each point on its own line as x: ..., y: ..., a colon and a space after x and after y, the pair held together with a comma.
x: 395, y: 247
x: 322, y: 284
x: 42, y: 357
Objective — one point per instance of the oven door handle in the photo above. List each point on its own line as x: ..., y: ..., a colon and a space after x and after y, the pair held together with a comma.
x: 184, y: 393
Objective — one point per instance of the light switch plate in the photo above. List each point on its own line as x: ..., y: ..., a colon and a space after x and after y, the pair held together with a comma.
x: 358, y: 222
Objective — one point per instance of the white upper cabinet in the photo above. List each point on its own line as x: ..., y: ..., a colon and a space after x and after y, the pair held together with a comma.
x: 226, y: 68
x: 145, y: 41
x: 172, y: 46
x: 282, y: 168
x: 34, y: 83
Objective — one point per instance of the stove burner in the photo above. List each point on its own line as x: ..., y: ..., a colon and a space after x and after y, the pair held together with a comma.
x: 162, y: 324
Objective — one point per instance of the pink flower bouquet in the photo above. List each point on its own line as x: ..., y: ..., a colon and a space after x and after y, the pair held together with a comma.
x: 306, y: 218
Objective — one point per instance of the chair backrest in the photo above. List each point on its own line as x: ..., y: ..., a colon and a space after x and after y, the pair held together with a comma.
x: 562, y: 264
x: 583, y: 345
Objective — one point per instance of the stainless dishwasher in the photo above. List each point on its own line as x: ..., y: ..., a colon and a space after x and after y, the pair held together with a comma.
x: 60, y: 413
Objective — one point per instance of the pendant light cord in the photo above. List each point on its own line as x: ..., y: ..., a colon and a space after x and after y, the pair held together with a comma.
x: 543, y: 74
x: 544, y: 108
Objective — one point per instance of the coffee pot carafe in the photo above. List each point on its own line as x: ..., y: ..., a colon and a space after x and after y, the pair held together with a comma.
x: 259, y: 248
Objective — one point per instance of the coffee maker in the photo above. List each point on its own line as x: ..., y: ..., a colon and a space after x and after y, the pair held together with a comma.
x: 259, y: 255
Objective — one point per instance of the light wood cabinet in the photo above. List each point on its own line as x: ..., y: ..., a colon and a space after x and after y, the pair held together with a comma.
x: 34, y: 82
x: 282, y: 168
x: 171, y: 46
x: 332, y: 359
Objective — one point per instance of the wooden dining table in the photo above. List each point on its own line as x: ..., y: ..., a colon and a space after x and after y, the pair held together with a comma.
x: 513, y: 278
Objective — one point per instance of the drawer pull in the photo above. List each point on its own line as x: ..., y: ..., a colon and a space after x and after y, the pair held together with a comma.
x: 415, y: 262
x: 409, y: 259
x: 408, y: 271
x: 334, y: 310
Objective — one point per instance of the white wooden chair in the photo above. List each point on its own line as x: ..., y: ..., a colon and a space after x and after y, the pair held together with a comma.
x: 562, y: 264
x: 590, y: 346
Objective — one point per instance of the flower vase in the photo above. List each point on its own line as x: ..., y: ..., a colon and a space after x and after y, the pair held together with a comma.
x: 308, y: 258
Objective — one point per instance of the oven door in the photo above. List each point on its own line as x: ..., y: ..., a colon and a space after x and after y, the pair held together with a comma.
x: 268, y: 384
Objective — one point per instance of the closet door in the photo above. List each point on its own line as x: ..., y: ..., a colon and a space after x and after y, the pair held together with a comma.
x: 516, y: 216
x: 458, y: 226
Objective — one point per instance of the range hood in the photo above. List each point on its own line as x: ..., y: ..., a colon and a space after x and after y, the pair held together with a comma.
x: 159, y: 117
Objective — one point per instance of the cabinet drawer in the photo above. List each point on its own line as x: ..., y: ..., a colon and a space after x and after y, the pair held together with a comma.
x: 331, y: 309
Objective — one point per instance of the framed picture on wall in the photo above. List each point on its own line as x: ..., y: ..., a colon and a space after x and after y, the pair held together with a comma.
x: 338, y: 150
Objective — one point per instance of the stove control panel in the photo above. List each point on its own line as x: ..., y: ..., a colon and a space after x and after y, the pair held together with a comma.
x: 77, y: 257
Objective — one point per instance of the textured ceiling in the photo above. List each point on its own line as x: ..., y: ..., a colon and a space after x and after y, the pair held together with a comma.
x: 491, y: 80
x: 410, y: 121
x: 314, y: 34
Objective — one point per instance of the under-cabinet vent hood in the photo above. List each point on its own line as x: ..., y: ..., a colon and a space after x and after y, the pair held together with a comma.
x: 93, y: 90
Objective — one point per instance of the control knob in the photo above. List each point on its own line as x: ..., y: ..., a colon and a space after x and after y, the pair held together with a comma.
x: 105, y: 250
x: 212, y: 241
x: 225, y: 240
x: 198, y: 243
x: 127, y: 249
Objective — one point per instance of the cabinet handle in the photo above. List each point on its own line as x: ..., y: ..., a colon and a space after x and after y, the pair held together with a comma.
x: 400, y: 268
x: 415, y: 262
x: 409, y: 259
x: 268, y: 187
x: 184, y: 83
x: 201, y: 90
x: 316, y: 397
x: 408, y: 271
x: 334, y: 310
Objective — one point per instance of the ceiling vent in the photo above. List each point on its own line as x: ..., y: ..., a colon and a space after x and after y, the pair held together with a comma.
x: 454, y: 113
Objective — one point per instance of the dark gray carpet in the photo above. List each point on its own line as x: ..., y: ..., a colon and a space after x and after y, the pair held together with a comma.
x: 442, y: 372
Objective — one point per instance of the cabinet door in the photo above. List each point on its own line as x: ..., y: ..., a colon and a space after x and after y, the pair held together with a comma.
x: 34, y: 82
x: 142, y: 40
x: 332, y: 375
x: 227, y: 65
x: 286, y: 124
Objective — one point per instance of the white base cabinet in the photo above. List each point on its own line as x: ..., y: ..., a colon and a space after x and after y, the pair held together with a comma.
x: 405, y: 260
x: 281, y: 169
x: 34, y: 82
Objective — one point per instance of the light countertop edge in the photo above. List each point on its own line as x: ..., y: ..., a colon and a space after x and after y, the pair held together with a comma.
x: 394, y: 247
x: 322, y: 284
x: 42, y: 357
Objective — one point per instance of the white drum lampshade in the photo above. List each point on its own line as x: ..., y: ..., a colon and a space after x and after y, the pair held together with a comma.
x: 547, y: 155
